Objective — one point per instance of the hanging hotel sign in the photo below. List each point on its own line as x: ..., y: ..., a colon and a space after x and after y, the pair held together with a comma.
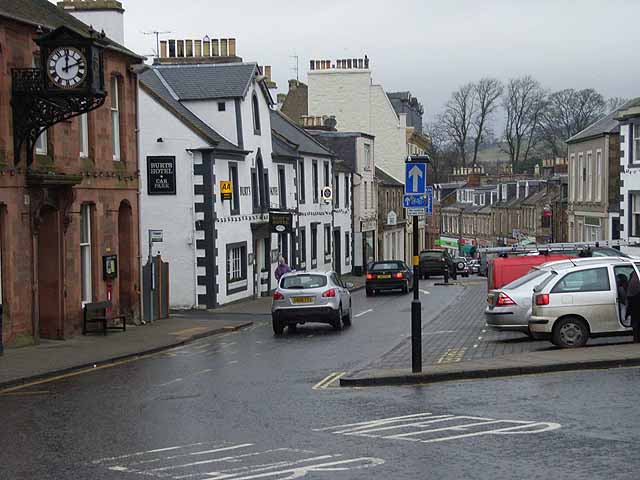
x: 226, y: 190
x: 281, y: 222
x: 161, y: 175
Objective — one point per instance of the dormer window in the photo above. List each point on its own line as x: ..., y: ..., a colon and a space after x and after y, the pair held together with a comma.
x: 256, y: 114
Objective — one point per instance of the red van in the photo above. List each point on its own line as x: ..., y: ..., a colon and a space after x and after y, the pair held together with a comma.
x: 503, y: 270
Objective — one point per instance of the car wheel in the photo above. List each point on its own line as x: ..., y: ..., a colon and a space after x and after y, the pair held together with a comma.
x: 278, y: 326
x: 369, y: 292
x: 337, y: 321
x: 570, y: 332
x: 347, y: 318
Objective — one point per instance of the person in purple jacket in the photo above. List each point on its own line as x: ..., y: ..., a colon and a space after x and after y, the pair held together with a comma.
x: 282, y: 268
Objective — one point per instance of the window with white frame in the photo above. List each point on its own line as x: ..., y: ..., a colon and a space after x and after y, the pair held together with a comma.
x: 589, y: 176
x: 635, y: 214
x: 41, y: 144
x: 85, y: 253
x: 83, y: 134
x: 581, y: 177
x: 235, y: 262
x: 636, y: 143
x: 599, y: 180
x: 327, y: 240
x: 504, y: 192
x: 115, y: 118
x: 367, y: 156
x: 573, y: 177
x: 236, y: 267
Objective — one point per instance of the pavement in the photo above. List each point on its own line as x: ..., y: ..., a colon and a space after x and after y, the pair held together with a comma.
x: 456, y: 345
x: 50, y: 357
x: 250, y: 405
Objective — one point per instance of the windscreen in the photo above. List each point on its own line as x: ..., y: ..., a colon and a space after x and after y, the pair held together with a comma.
x: 377, y: 267
x: 432, y: 254
x: 532, y: 275
x: 302, y: 282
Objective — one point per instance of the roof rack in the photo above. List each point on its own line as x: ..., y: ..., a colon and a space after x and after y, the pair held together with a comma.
x: 556, y: 247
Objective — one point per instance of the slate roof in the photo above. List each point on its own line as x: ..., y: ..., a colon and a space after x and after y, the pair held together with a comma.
x: 280, y: 147
x: 209, y: 81
x: 152, y: 83
x: 607, y: 124
x: 387, y: 179
x: 305, y: 143
x: 343, y: 146
x: 48, y: 15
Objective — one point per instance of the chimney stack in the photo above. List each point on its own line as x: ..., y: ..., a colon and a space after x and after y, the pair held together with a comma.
x: 107, y: 15
x: 195, y: 51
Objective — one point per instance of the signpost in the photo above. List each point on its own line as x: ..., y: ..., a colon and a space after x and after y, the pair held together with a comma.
x: 417, y: 201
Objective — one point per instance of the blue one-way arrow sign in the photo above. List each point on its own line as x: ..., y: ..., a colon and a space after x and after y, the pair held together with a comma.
x: 415, y: 177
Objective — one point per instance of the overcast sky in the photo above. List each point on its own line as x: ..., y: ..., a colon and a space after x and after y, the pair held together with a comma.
x: 425, y: 46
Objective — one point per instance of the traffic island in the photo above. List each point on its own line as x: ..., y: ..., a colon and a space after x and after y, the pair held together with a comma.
x: 586, y: 358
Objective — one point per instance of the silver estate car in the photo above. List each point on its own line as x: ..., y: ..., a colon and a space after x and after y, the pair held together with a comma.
x: 303, y: 297
x: 579, y: 302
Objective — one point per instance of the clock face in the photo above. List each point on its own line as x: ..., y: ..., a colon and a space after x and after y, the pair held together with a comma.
x: 67, y: 67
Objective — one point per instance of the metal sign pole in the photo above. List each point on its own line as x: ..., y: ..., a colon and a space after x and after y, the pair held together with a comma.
x: 416, y: 307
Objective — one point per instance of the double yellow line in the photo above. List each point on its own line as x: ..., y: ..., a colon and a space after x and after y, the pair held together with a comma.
x: 328, y: 380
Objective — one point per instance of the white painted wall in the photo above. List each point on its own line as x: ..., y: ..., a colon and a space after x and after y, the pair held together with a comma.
x: 361, y: 106
x: 223, y: 122
x: 111, y: 21
x: 171, y: 213
x: 342, y: 221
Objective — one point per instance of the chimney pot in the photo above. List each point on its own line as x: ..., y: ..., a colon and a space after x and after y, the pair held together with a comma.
x: 267, y: 72
x: 348, y: 63
x: 232, y: 47
x: 180, y: 49
x: 163, y: 49
x: 188, y: 50
x: 215, y: 48
x: 206, y: 47
x: 224, y: 48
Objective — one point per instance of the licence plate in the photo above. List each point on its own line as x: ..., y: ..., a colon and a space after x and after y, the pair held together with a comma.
x: 384, y: 276
x: 299, y: 300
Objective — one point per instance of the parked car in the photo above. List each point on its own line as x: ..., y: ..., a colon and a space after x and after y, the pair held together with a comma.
x: 436, y: 262
x: 509, y: 307
x: 474, y: 265
x: 579, y: 302
x: 462, y: 267
x: 310, y: 297
x: 388, y: 275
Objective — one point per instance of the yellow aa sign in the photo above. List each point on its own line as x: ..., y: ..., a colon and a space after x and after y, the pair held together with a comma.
x: 226, y: 190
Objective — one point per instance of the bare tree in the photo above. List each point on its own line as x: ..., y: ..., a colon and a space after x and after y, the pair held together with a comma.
x: 487, y: 93
x: 523, y: 102
x: 441, y: 150
x: 615, y: 103
x: 458, y: 116
x: 568, y: 112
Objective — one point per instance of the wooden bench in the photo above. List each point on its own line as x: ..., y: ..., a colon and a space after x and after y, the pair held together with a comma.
x: 97, y: 312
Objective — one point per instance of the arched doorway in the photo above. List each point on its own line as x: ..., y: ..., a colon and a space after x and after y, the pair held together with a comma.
x: 50, y: 313
x: 125, y: 258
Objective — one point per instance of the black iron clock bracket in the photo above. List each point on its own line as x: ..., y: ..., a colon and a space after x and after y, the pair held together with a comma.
x: 35, y: 110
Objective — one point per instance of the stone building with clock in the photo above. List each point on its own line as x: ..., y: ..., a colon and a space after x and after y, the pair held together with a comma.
x: 68, y: 170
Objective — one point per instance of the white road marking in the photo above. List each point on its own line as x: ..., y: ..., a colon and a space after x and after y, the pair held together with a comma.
x: 328, y: 380
x: 232, y: 362
x: 409, y: 427
x: 440, y: 332
x: 426, y: 292
x: 170, y: 383
x: 484, y: 331
x: 247, y: 464
x: 475, y: 346
x: 479, y: 338
x: 363, y: 313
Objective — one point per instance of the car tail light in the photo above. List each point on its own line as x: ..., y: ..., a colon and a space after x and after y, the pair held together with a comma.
x: 370, y: 276
x: 542, y: 299
x: 278, y: 296
x: 504, y: 300
x: 398, y: 275
x: 329, y: 293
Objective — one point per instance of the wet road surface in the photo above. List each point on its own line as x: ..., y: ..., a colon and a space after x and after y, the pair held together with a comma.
x: 248, y: 405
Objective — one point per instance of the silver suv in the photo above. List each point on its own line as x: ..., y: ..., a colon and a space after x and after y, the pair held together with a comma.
x: 310, y: 297
x: 579, y: 302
